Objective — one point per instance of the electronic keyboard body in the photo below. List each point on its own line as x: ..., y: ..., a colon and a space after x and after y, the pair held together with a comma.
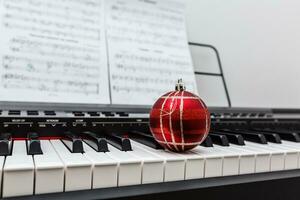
x: 249, y: 153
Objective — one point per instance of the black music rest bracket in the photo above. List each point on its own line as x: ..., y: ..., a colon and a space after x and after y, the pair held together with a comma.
x: 270, y: 185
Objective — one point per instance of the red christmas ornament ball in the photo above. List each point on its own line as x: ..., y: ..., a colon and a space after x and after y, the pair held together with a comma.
x: 179, y: 120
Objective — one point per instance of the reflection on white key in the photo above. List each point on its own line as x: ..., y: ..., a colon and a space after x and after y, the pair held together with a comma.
x: 174, y: 163
x: 152, y: 165
x: 49, y: 170
x: 105, y: 169
x: 277, y: 156
x: 130, y: 167
x: 78, y: 169
x: 18, y: 172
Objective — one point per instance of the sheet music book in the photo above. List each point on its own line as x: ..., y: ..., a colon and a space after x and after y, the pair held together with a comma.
x: 92, y: 51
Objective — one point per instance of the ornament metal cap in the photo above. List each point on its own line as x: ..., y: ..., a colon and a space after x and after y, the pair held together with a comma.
x: 179, y: 85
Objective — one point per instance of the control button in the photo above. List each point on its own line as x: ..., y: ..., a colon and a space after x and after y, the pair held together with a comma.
x: 108, y: 114
x: 94, y: 114
x: 122, y: 114
x: 49, y: 113
x: 78, y: 114
x: 32, y: 112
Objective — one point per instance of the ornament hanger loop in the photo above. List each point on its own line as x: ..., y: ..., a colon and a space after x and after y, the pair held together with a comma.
x: 179, y: 85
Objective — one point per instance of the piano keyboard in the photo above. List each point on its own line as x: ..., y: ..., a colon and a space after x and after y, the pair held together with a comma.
x: 90, y: 161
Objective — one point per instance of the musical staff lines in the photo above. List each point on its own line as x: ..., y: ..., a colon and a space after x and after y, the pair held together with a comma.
x: 92, y: 51
x: 54, y: 50
x: 53, y: 19
x: 148, y: 49
x: 14, y: 80
x: 140, y: 22
x: 145, y: 76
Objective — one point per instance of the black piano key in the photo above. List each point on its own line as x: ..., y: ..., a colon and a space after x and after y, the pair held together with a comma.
x: 290, y: 136
x: 73, y: 142
x: 232, y: 138
x: 271, y: 137
x: 253, y: 137
x: 284, y: 135
x: 219, y: 139
x: 97, y: 142
x: 145, y: 139
x: 119, y: 141
x: 207, y: 142
x: 5, y: 144
x: 33, y: 144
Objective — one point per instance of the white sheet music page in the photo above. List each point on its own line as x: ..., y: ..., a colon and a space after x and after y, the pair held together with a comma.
x: 148, y: 49
x: 53, y: 51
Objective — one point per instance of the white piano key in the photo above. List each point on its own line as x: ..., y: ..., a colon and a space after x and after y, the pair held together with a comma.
x: 262, y: 157
x: 174, y: 169
x: 291, y: 155
x: 129, y: 167
x: 295, y: 146
x: 2, y: 159
x: 18, y: 172
x: 48, y: 166
x: 194, y: 163
x: 277, y: 156
x: 246, y: 158
x: 152, y: 165
x: 78, y: 169
x: 230, y: 161
x: 194, y: 166
x: 213, y: 161
x: 105, y: 168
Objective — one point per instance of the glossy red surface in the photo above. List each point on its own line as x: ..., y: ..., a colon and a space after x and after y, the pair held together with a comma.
x: 179, y: 120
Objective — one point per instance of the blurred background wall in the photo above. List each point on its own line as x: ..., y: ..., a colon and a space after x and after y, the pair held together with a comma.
x: 259, y: 45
